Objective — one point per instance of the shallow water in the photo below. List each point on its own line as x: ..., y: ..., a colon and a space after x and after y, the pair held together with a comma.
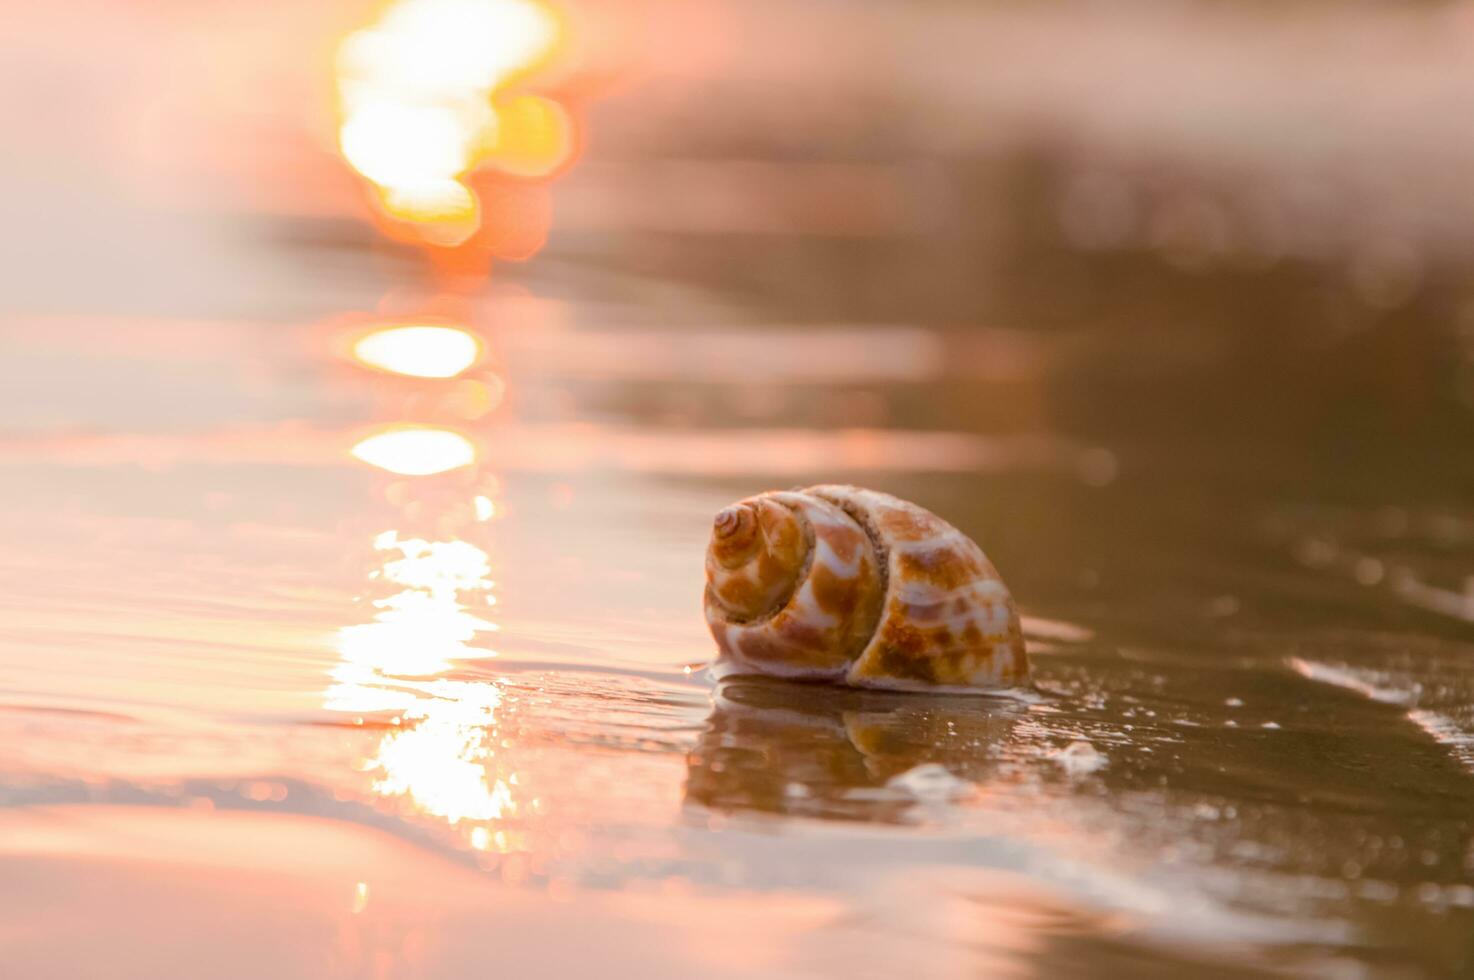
x: 269, y: 706
x: 209, y: 705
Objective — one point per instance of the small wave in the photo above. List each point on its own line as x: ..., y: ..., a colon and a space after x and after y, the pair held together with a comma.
x: 1447, y: 732
x: 1376, y: 686
x: 1367, y: 683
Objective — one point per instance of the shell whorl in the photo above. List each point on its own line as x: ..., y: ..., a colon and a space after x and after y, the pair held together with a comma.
x: 758, y: 550
x: 819, y: 603
x: 851, y: 585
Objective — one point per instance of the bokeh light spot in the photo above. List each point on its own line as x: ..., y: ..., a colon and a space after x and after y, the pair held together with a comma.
x: 419, y: 351
x: 416, y: 450
x: 421, y: 98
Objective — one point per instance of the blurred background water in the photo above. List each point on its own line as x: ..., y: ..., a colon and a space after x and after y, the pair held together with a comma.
x: 371, y: 373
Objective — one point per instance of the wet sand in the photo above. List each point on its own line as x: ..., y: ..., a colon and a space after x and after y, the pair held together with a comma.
x: 311, y: 667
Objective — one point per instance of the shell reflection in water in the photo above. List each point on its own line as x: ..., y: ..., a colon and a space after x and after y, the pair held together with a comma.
x: 416, y: 450
x: 420, y: 351
x: 437, y: 750
x: 800, y: 749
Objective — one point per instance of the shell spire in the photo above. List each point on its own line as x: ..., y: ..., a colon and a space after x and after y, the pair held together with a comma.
x: 851, y: 585
x: 758, y: 548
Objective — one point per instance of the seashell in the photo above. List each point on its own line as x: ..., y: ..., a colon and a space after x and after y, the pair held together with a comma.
x: 849, y: 585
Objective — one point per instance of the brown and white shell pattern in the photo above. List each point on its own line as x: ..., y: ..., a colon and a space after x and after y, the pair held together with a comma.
x: 851, y: 585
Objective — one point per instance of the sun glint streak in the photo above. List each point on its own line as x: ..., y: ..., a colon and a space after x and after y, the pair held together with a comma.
x: 439, y: 757
x: 439, y: 753
x: 424, y: 628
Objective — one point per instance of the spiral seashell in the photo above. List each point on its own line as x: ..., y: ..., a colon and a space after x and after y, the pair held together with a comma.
x: 850, y: 585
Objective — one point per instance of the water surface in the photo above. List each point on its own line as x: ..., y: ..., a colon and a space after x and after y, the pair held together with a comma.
x: 324, y: 659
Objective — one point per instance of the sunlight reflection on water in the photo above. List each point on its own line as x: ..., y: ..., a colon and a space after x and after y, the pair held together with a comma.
x: 440, y: 744
x: 423, y: 629
x: 420, y: 351
x: 438, y: 751
x: 416, y: 450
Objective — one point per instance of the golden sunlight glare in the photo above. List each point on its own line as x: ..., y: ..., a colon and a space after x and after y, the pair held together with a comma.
x: 421, y: 101
x: 416, y: 450
x: 418, y: 351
